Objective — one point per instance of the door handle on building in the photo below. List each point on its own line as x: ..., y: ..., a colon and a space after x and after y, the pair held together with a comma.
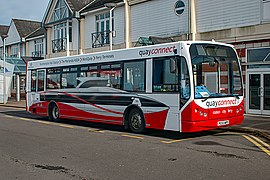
x: 260, y: 91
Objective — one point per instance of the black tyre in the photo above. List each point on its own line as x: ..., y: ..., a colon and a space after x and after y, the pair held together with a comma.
x: 54, y: 113
x: 136, y: 121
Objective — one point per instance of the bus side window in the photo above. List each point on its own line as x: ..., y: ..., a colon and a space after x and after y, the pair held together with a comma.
x: 165, y: 74
x: 134, y: 76
x: 69, y: 77
x: 113, y: 74
x: 53, y: 78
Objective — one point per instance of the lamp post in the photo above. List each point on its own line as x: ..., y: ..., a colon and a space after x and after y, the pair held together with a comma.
x: 111, y: 6
x: 4, y: 81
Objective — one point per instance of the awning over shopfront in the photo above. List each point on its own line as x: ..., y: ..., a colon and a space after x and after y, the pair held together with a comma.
x: 19, y: 65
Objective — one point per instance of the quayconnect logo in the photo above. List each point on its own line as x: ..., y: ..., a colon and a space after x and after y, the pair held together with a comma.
x: 155, y: 51
x: 224, y: 102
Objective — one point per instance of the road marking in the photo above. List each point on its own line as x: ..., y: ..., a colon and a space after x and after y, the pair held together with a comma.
x: 257, y: 144
x: 229, y: 133
x: 96, y: 130
x: 25, y: 119
x: 9, y: 116
x: 43, y: 122
x: 66, y: 126
x: 173, y: 141
x: 178, y: 140
x: 130, y: 136
x: 265, y: 144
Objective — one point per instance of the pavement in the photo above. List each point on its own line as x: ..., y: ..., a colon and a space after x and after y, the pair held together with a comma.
x: 255, y: 124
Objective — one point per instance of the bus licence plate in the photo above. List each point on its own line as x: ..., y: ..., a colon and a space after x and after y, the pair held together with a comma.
x: 223, y: 123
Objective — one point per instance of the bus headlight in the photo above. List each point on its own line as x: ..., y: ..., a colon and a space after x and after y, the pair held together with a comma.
x: 205, y: 114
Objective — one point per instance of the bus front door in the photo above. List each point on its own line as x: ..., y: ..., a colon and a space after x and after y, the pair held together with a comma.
x: 40, y: 84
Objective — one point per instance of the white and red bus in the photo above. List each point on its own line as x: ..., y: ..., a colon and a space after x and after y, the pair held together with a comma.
x: 184, y: 86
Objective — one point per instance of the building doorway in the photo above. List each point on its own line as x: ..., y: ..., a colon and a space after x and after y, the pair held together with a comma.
x: 258, y: 92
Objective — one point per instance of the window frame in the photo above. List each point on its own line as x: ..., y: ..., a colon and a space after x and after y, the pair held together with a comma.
x: 153, y: 74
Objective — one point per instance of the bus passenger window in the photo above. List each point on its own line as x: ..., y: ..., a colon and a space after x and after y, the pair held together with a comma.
x: 33, y: 80
x: 69, y: 80
x: 165, y: 74
x: 53, y: 78
x: 113, y: 73
x: 89, y: 71
x: 41, y: 78
x: 134, y: 76
x: 69, y: 77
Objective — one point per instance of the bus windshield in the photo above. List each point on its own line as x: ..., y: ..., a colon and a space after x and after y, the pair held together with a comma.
x: 216, y: 71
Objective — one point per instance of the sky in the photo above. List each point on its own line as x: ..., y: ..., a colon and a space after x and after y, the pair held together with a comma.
x: 22, y: 9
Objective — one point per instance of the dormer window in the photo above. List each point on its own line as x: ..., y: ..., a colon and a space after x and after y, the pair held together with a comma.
x: 60, y: 11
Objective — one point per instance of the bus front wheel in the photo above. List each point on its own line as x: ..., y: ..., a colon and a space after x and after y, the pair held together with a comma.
x: 136, y: 121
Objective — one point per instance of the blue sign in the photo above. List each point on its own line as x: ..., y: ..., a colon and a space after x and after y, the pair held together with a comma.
x: 179, y: 7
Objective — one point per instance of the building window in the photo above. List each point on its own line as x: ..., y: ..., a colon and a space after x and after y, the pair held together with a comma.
x: 60, y: 37
x: 60, y: 11
x: 14, y: 51
x: 38, y: 48
x: 101, y: 36
x: 258, y: 55
x: 266, y: 12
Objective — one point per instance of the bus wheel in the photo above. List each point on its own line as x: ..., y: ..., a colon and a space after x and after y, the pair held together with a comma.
x: 54, y: 113
x: 136, y: 121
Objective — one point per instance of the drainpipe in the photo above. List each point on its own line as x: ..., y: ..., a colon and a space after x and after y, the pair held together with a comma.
x: 45, y: 41
x: 193, y: 28
x: 67, y: 44
x: 18, y: 87
x: 127, y: 24
x: 79, y: 37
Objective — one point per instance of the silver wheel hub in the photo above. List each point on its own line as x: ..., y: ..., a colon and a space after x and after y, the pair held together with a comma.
x: 136, y: 121
x: 55, y: 112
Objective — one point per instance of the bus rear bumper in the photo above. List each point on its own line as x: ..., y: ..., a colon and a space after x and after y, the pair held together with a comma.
x: 195, y: 126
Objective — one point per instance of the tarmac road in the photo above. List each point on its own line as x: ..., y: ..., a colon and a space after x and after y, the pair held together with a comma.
x: 34, y: 148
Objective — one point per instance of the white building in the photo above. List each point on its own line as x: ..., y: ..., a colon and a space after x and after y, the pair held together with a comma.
x: 25, y: 40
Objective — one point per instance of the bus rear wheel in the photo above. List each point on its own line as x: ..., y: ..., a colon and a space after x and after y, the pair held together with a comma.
x: 54, y: 113
x: 136, y: 121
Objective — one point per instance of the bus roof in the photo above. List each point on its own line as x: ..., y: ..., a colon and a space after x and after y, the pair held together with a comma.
x: 144, y: 52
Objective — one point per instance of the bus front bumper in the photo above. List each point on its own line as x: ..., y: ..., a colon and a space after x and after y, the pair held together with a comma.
x: 195, y: 126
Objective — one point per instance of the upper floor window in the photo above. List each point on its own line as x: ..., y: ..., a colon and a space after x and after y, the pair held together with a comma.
x: 60, y: 11
x: 60, y: 36
x: 266, y: 12
x: 101, y: 36
x: 38, y: 48
x: 14, y: 51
